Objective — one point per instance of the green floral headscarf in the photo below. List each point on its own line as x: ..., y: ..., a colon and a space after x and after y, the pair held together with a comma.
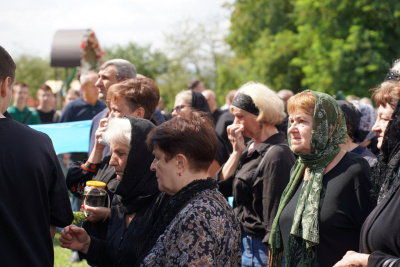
x: 328, y: 131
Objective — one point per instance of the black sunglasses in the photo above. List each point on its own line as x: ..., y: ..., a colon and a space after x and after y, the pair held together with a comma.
x: 179, y: 108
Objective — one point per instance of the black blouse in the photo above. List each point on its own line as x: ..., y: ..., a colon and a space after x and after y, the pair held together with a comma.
x: 345, y: 202
x: 256, y: 204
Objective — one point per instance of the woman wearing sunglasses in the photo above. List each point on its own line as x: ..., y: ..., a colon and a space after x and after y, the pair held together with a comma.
x: 191, y: 99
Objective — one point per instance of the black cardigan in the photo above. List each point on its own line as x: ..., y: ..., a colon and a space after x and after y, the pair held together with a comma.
x: 380, y: 234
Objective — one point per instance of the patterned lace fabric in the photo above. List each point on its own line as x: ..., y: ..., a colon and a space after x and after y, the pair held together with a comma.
x: 204, y: 233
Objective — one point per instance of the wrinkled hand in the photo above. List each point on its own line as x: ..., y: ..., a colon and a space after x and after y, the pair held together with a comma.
x: 353, y: 259
x: 98, y: 213
x: 99, y: 132
x: 75, y: 238
x: 235, y: 136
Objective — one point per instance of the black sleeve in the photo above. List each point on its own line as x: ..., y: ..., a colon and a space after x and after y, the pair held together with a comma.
x: 60, y: 207
x: 378, y: 259
x: 222, y: 153
x: 276, y: 176
x: 97, y: 253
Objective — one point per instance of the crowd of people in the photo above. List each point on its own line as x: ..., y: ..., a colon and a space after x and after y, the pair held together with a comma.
x: 315, y: 180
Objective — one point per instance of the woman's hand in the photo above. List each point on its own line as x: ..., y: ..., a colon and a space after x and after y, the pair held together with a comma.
x: 353, y: 259
x: 235, y: 136
x: 99, y: 132
x: 75, y: 238
x: 98, y: 213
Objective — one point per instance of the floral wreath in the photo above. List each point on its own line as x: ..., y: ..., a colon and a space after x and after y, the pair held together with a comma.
x: 89, y: 40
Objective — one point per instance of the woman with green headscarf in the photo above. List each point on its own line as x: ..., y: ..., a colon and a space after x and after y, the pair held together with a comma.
x: 323, y: 207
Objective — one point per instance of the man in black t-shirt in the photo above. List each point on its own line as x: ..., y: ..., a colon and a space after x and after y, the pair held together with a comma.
x: 33, y: 195
x: 45, y: 107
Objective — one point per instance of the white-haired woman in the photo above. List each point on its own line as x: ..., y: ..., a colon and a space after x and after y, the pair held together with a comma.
x: 135, y: 204
x: 256, y: 172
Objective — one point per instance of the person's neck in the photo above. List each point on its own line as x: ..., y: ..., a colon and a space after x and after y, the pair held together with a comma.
x: 20, y: 106
x: 349, y: 145
x: 44, y: 108
x: 266, y: 132
x: 190, y: 177
x: 87, y: 99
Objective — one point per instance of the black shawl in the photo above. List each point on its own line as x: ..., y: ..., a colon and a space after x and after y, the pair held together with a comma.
x: 385, y: 175
x: 139, y: 184
x: 199, y: 102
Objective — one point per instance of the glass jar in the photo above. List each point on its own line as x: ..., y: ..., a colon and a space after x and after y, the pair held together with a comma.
x: 94, y: 195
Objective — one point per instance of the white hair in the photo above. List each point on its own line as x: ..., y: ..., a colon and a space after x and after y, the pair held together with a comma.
x: 87, y: 75
x: 119, y: 130
x: 271, y: 107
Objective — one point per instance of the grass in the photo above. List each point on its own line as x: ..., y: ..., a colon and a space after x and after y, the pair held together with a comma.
x: 61, y: 256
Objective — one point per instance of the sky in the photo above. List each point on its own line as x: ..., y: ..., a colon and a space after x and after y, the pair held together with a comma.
x: 28, y: 26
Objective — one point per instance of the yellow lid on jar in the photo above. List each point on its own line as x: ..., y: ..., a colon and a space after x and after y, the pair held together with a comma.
x: 96, y: 184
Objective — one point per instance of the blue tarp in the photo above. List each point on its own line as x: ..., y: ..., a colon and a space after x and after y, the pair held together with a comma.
x: 67, y: 136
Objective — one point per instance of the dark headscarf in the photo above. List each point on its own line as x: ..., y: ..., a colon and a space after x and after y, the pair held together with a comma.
x: 352, y: 116
x: 385, y: 175
x: 138, y: 185
x: 199, y: 102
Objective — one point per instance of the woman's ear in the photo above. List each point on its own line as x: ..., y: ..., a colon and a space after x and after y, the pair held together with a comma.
x: 181, y: 162
x: 140, y: 112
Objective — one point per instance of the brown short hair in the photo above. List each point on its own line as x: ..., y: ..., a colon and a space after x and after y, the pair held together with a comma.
x: 45, y: 87
x: 191, y: 134
x: 303, y: 102
x: 139, y: 92
x: 7, y: 66
x: 387, y: 93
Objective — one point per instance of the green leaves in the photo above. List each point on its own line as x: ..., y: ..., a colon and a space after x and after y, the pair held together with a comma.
x: 325, y: 45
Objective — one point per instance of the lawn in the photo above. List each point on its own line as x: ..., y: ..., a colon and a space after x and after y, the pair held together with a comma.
x: 61, y: 256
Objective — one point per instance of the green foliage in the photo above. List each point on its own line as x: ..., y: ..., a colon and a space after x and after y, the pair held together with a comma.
x: 323, y: 45
x: 34, y: 71
x: 147, y: 62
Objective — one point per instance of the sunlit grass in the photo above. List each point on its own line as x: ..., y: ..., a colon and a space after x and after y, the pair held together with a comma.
x: 61, y: 256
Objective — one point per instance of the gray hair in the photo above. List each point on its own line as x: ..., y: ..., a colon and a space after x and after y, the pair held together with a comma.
x: 87, y: 75
x: 125, y: 69
x: 119, y: 130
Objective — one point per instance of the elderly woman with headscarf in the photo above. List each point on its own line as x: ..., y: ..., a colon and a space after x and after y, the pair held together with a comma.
x: 353, y: 116
x: 136, y: 202
x: 258, y: 171
x: 191, y: 99
x: 380, y: 238
x: 197, y: 226
x: 328, y: 197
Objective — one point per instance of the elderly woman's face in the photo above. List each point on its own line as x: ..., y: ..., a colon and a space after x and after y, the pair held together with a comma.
x: 247, y: 120
x: 383, y: 117
x: 118, y: 158
x: 180, y: 106
x: 165, y: 172
x: 300, y: 132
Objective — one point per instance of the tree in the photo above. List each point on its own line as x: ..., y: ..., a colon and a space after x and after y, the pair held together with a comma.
x: 325, y: 45
x: 197, y: 51
x: 147, y: 62
x: 33, y: 71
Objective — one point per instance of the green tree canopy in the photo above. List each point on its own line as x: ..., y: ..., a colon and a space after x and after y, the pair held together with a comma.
x: 325, y: 45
